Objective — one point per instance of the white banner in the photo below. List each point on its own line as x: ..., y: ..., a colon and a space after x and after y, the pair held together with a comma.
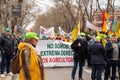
x: 55, y: 53
x: 42, y: 30
x: 50, y: 32
x: 61, y: 31
x: 91, y: 26
x: 47, y: 32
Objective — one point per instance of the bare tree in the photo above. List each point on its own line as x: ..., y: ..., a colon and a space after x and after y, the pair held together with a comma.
x: 28, y: 14
x: 57, y: 16
x: 86, y: 9
x: 67, y: 13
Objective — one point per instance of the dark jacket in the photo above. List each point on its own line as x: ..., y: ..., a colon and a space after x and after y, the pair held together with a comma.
x: 80, y: 53
x: 6, y: 44
x: 97, y: 52
x: 119, y: 51
x: 109, y: 50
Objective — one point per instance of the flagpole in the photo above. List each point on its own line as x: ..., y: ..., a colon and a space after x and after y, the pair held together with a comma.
x: 79, y: 29
x: 40, y: 33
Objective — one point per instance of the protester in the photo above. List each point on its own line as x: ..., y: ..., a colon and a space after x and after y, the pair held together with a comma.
x: 119, y: 59
x: 79, y: 46
x: 44, y: 38
x: 90, y: 42
x: 15, y: 44
x: 20, y: 39
x: 31, y: 65
x: 68, y: 38
x: 111, y: 57
x: 6, y: 47
x: 97, y: 61
x: 58, y: 36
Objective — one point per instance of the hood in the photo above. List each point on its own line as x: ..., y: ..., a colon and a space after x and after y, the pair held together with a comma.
x: 23, y: 45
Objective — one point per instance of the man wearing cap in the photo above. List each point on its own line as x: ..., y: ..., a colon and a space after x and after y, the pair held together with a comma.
x: 6, y: 50
x: 79, y: 46
x: 97, y: 61
x: 31, y: 65
x: 112, y: 53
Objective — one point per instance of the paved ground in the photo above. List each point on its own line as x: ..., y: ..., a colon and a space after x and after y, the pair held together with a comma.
x: 55, y: 74
x: 58, y: 74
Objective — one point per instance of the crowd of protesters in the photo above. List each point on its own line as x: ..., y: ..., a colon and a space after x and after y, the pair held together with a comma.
x: 102, y: 53
x: 101, y: 58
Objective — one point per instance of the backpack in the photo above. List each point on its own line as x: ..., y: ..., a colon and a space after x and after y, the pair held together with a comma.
x: 15, y: 64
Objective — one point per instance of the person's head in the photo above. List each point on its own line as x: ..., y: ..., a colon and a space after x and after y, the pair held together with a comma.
x: 97, y: 39
x: 20, y: 38
x: 44, y: 38
x: 7, y: 31
x: 113, y: 38
x: 14, y: 36
x: 58, y: 33
x: 31, y: 38
x: 107, y: 37
x: 82, y: 34
x: 67, y: 35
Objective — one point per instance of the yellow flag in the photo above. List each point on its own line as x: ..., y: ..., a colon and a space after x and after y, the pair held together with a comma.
x: 98, y: 33
x: 118, y: 26
x: 76, y: 31
x: 118, y: 33
x: 104, y: 42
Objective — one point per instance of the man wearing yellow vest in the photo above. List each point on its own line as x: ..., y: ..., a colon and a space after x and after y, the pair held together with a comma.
x: 30, y: 63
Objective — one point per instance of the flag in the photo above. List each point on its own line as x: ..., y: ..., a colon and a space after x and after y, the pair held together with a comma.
x: 102, y: 37
x: 104, y: 42
x: 118, y: 34
x: 98, y: 33
x: 76, y: 31
x: 118, y: 29
x: 49, y: 32
x: 118, y: 26
x: 114, y: 26
x: 42, y: 30
x: 93, y: 27
x: 104, y: 17
x: 61, y: 31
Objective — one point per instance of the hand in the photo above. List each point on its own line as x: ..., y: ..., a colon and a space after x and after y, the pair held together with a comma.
x: 79, y: 44
x: 114, y: 46
x: 13, y: 53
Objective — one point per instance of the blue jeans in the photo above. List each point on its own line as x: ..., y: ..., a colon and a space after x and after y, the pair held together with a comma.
x: 110, y: 64
x: 81, y: 65
x: 96, y: 72
x: 5, y: 62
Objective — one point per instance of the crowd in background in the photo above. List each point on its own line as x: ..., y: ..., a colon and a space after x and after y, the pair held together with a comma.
x: 102, y: 55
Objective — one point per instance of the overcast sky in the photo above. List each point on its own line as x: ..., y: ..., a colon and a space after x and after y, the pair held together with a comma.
x: 44, y: 4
